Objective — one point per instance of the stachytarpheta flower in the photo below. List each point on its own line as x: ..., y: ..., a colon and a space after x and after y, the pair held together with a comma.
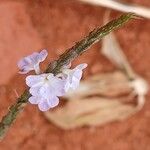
x: 32, y: 62
x: 73, y: 76
x: 45, y: 89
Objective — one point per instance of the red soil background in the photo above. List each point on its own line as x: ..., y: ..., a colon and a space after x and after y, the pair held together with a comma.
x: 30, y: 25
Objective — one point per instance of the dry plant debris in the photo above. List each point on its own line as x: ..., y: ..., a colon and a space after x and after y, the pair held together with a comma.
x: 97, y: 101
x: 100, y: 99
x: 121, y: 6
x: 112, y: 50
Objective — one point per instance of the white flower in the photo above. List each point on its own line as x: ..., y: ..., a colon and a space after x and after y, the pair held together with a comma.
x: 73, y: 76
x: 45, y: 89
x: 32, y: 62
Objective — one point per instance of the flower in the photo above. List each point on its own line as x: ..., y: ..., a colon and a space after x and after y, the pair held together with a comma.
x: 45, y: 89
x: 73, y: 76
x: 32, y: 62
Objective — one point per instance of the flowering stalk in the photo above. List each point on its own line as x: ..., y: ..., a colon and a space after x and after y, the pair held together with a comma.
x: 55, y: 67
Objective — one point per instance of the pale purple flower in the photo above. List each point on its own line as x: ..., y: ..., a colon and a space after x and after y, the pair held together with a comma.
x: 72, y: 76
x: 45, y: 89
x: 32, y: 62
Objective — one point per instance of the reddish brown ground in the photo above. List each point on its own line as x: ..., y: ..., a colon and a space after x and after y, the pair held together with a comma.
x: 30, y: 25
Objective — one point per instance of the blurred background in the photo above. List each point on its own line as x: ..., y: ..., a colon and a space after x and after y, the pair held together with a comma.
x: 27, y: 26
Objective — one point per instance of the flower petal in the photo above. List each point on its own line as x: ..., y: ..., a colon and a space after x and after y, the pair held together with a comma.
x: 75, y: 83
x: 59, y: 86
x: 46, y: 91
x: 24, y: 71
x: 77, y: 74
x: 42, y: 55
x: 34, y: 80
x: 67, y: 86
x: 34, y: 100
x: 53, y: 102
x: 23, y: 62
x: 81, y: 66
x: 43, y: 105
x: 35, y: 91
x: 24, y: 66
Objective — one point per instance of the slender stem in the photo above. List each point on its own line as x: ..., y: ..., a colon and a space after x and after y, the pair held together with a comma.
x: 55, y: 67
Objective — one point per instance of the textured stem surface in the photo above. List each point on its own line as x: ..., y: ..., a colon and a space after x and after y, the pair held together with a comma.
x: 55, y: 67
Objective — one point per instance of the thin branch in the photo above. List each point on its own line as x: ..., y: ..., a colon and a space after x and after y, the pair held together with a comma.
x: 55, y: 67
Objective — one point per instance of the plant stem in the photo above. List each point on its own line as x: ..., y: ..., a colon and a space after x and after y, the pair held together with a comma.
x: 55, y: 67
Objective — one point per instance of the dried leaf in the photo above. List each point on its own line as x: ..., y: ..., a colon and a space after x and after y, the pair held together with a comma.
x: 94, y: 111
x: 90, y: 103
x: 109, y: 85
x: 112, y: 50
x: 123, y: 7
